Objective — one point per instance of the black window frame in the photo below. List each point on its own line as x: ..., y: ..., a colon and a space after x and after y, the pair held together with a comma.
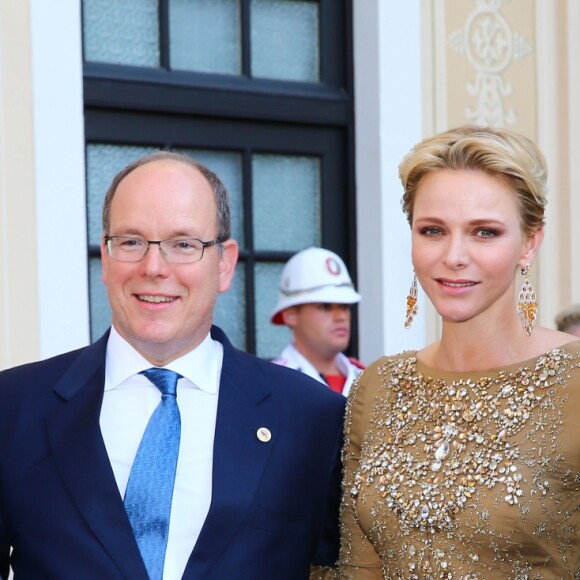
x: 178, y: 109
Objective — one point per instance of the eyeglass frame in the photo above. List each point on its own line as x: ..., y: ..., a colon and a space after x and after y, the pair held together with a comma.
x: 204, y: 245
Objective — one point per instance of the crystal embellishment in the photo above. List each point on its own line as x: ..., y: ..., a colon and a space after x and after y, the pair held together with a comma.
x: 442, y: 451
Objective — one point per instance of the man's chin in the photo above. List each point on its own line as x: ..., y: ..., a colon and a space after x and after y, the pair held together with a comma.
x: 340, y: 346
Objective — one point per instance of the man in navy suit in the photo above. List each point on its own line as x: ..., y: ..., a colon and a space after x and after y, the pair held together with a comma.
x: 257, y: 482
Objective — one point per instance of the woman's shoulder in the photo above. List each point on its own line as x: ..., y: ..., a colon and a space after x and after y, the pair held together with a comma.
x: 378, y: 373
x: 561, y: 351
x: 368, y: 388
x: 573, y: 347
x: 389, y: 360
x: 550, y: 339
x: 570, y: 353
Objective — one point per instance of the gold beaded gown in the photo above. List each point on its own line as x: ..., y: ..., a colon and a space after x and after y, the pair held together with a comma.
x: 463, y: 475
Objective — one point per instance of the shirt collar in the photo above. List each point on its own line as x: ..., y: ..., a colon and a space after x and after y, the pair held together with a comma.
x: 201, y: 366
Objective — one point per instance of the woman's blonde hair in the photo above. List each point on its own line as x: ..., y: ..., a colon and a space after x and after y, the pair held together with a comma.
x: 500, y: 153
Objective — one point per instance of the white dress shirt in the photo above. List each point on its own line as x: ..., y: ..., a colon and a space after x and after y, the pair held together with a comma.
x: 128, y: 403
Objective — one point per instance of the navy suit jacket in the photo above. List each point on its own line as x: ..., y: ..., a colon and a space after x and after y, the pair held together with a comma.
x: 274, y: 507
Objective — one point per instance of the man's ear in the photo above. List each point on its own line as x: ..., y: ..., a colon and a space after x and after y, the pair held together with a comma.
x: 104, y: 260
x: 289, y: 316
x: 227, y: 264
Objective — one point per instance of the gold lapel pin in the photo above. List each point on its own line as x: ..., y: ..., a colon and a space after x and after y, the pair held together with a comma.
x: 264, y: 434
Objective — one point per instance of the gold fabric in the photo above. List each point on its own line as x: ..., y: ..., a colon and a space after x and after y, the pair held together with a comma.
x: 463, y: 475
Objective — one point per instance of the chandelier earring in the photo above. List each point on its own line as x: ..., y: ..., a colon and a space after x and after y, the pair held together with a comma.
x: 527, y: 305
x: 412, y: 306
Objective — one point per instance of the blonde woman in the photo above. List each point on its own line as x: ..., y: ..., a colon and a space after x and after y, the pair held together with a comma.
x: 462, y: 459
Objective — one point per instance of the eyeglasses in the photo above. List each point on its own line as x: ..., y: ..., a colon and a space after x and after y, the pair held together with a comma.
x: 176, y: 251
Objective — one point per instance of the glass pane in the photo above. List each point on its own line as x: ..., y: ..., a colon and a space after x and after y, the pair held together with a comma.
x: 99, y: 304
x: 270, y: 338
x: 230, y: 312
x: 285, y: 40
x: 103, y: 163
x: 204, y: 35
x: 121, y: 32
x: 228, y: 167
x: 286, y: 202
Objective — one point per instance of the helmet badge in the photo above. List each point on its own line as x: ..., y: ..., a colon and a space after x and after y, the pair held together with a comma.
x: 333, y: 266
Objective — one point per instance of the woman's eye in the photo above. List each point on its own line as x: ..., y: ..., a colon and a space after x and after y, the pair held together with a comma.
x: 486, y: 233
x: 430, y: 231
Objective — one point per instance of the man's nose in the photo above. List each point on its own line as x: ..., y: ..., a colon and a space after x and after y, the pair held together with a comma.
x: 339, y: 311
x: 153, y: 262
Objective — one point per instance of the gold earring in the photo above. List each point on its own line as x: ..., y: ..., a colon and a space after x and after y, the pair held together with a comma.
x: 412, y: 306
x: 527, y: 305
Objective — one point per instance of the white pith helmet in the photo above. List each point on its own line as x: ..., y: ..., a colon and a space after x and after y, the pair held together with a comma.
x: 314, y: 275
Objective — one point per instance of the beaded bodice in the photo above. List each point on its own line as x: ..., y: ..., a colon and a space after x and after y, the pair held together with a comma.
x: 464, y: 476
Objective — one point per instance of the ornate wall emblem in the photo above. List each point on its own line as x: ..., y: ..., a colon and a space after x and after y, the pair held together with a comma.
x: 490, y: 46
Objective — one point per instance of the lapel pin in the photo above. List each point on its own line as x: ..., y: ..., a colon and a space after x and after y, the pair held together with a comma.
x: 264, y: 434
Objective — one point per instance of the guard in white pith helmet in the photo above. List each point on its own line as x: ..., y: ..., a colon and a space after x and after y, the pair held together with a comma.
x: 316, y: 294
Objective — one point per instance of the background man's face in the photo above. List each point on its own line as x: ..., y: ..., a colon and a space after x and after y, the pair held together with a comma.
x: 320, y: 327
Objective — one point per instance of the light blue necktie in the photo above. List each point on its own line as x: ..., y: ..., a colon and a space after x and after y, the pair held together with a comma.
x: 150, y: 486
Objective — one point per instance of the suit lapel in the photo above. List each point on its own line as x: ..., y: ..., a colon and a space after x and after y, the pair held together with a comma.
x: 81, y: 458
x: 239, y: 456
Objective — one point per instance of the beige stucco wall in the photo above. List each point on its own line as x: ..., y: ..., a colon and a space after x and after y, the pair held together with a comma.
x: 490, y: 64
x: 18, y: 282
